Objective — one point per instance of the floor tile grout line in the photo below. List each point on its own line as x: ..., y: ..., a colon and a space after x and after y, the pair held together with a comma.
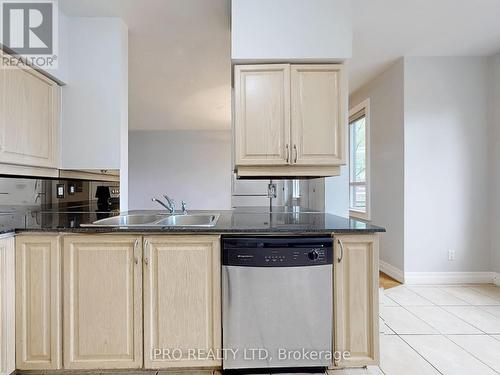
x: 486, y: 333
x: 471, y: 286
x: 445, y: 292
x: 463, y: 320
x: 478, y: 291
x: 416, y: 351
x: 433, y: 304
x: 479, y: 359
x: 405, y: 287
x: 481, y: 307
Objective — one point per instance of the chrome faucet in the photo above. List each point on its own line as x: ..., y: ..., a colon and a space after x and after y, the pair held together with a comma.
x: 169, y: 206
x: 170, y: 203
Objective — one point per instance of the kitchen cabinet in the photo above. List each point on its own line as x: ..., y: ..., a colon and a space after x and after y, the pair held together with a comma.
x: 262, y: 114
x: 102, y: 311
x: 7, y: 306
x: 38, y: 302
x: 356, y: 299
x: 318, y: 121
x: 29, y: 118
x: 289, y: 120
x: 182, y: 306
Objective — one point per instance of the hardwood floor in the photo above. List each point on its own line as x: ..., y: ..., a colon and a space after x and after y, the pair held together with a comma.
x: 387, y: 282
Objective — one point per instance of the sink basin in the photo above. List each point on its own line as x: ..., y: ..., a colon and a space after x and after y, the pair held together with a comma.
x: 157, y: 220
x: 194, y: 220
x: 127, y: 220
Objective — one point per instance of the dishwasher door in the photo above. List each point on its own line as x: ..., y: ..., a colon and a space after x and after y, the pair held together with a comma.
x: 276, y: 316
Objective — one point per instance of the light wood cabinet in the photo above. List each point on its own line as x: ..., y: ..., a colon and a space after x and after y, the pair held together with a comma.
x: 262, y: 114
x: 289, y: 120
x: 318, y: 120
x: 356, y: 299
x: 102, y: 301
x: 182, y: 310
x: 7, y: 306
x: 38, y: 302
x: 29, y: 118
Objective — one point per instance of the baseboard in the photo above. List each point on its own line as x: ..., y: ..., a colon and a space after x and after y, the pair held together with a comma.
x: 392, y: 271
x: 451, y: 278
x: 496, y: 278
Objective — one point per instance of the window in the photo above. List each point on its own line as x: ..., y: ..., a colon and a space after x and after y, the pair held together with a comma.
x: 359, y: 165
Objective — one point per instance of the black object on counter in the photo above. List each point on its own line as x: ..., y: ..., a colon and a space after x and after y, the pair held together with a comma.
x: 103, y: 196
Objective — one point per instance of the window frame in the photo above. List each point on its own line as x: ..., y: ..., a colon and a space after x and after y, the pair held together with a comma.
x: 364, y: 107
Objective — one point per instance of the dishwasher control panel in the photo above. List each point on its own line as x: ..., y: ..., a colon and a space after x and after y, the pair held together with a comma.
x: 277, y: 251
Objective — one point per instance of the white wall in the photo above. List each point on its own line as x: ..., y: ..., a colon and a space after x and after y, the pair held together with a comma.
x: 447, y: 122
x: 94, y: 101
x: 495, y: 167
x: 194, y: 166
x: 387, y: 158
x: 61, y: 73
x: 291, y: 29
x: 337, y: 193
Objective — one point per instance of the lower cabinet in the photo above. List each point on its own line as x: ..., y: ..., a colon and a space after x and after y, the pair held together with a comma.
x: 131, y: 301
x: 182, y: 307
x: 38, y: 302
x: 356, y: 300
x: 7, y: 307
x: 102, y: 301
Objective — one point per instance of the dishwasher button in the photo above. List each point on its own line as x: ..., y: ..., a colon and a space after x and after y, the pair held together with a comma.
x: 313, y: 255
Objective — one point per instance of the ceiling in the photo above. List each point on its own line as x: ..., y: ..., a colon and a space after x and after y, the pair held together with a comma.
x: 179, y: 50
x: 384, y: 30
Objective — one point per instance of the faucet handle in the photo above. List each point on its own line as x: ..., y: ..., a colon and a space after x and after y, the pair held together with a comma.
x: 183, y: 206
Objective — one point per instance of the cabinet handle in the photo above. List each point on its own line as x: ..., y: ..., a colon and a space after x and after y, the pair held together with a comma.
x: 339, y: 259
x: 287, y: 153
x: 146, y: 260
x: 296, y: 152
x: 136, y: 258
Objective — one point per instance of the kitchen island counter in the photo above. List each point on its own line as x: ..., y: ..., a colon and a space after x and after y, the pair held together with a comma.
x: 255, y: 220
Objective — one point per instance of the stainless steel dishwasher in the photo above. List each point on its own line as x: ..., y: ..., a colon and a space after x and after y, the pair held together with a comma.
x: 277, y: 302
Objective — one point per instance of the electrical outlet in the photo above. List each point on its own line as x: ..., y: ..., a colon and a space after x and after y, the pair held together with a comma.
x: 451, y: 254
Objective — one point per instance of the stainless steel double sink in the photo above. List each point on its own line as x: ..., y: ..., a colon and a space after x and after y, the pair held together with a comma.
x: 157, y: 220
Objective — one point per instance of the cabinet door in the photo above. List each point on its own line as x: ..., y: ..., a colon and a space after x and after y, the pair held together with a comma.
x: 7, y: 307
x: 319, y: 114
x: 182, y: 312
x: 29, y: 118
x: 356, y: 299
x: 102, y: 302
x: 262, y: 114
x: 38, y: 302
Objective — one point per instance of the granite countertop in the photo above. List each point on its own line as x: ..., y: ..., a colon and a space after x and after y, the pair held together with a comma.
x: 244, y: 220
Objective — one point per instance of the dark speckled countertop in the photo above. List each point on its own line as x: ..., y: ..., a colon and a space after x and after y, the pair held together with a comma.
x: 245, y: 220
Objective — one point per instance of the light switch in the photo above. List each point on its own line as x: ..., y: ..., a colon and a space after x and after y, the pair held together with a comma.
x: 60, y: 190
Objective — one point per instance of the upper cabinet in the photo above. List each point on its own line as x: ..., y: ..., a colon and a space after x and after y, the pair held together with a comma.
x: 318, y: 118
x: 29, y: 118
x: 289, y: 120
x: 262, y: 114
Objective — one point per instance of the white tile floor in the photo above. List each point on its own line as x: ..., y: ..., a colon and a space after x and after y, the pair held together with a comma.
x: 449, y: 330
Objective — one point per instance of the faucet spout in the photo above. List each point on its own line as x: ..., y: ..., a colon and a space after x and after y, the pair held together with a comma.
x: 168, y: 208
